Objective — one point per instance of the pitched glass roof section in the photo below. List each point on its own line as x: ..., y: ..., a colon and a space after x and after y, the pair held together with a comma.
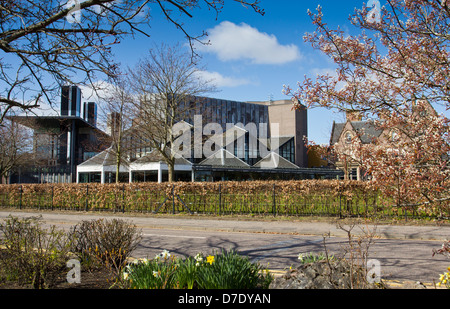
x: 275, y: 161
x: 224, y: 158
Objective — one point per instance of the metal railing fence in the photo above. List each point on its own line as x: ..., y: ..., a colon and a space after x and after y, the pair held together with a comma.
x: 268, y: 199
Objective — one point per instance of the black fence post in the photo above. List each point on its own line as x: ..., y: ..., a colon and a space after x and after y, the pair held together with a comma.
x: 123, y: 198
x: 274, y: 205
x: 52, y: 197
x: 173, y: 199
x: 87, y: 197
x: 20, y: 196
x: 220, y: 199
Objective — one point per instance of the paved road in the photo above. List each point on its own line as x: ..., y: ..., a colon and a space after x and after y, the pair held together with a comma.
x: 404, y: 252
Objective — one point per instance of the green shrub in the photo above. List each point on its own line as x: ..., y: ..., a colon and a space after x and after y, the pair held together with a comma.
x: 312, y: 257
x: 162, y: 272
x: 186, y: 274
x: 158, y: 273
x: 33, y: 255
x: 227, y: 270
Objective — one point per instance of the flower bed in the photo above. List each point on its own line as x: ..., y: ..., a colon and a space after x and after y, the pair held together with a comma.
x: 225, y: 270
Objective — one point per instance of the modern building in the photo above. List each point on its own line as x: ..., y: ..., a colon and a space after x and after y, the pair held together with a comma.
x: 61, y: 142
x: 267, y: 142
x: 293, y: 128
x: 70, y: 101
x: 90, y: 113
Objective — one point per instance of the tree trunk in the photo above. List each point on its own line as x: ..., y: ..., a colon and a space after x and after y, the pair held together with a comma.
x: 171, y: 171
x: 4, y: 175
x: 117, y: 169
x: 118, y: 159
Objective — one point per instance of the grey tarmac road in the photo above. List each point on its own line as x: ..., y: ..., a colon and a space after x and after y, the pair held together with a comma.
x: 404, y: 252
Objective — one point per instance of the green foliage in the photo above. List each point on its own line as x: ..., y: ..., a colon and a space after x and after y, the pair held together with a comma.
x: 151, y: 274
x: 229, y: 270
x: 187, y: 272
x: 162, y: 272
x: 312, y: 257
x: 33, y: 255
x: 226, y: 270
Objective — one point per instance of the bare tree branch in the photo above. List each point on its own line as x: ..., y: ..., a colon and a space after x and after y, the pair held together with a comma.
x: 165, y: 83
x: 40, y: 50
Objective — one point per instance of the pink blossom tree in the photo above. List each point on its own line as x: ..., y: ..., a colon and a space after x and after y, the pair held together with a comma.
x: 393, y: 73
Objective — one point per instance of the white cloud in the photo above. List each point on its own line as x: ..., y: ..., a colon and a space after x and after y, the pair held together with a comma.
x: 96, y: 92
x: 222, y: 81
x: 243, y: 42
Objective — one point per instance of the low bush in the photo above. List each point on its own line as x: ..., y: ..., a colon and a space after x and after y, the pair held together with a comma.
x: 101, y: 242
x: 32, y: 254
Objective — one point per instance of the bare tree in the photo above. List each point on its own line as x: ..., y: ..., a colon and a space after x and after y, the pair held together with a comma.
x: 45, y: 44
x: 168, y: 86
x: 117, y: 107
x: 14, y: 143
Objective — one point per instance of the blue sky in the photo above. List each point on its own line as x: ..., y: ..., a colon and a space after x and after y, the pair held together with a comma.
x: 251, y: 56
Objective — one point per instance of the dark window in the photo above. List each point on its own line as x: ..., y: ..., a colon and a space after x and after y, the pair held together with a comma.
x: 287, y: 151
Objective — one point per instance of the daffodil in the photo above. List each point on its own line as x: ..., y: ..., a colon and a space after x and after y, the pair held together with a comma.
x: 210, y: 259
x: 199, y: 259
x: 163, y: 255
x: 125, y: 276
x: 444, y: 279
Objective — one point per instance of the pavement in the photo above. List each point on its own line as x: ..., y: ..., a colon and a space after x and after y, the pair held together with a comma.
x: 228, y: 224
